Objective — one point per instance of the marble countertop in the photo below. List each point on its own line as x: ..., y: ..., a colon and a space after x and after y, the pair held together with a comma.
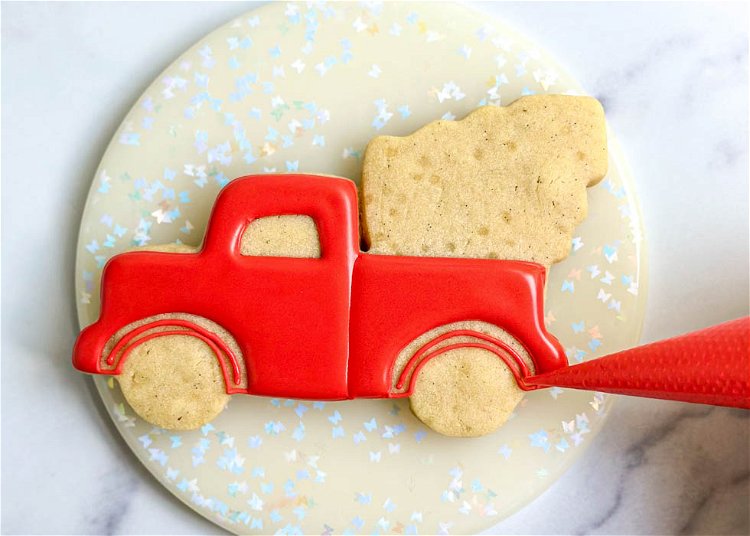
x: 674, y: 81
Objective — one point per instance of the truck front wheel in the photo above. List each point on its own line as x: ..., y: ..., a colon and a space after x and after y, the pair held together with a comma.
x: 466, y: 392
x: 174, y: 381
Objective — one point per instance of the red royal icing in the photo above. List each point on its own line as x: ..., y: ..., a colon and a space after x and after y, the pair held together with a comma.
x: 327, y: 328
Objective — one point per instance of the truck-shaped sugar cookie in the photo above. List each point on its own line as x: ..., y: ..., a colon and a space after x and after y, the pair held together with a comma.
x: 316, y: 318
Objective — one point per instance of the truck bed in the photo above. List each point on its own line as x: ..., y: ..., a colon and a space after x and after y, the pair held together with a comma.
x: 396, y: 299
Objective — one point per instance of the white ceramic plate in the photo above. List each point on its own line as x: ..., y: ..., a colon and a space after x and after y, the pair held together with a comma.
x: 298, y: 87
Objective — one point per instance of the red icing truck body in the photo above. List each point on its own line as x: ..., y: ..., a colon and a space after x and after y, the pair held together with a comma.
x: 322, y: 328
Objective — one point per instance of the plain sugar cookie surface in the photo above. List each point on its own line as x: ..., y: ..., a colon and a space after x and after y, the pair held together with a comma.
x: 174, y: 382
x: 465, y: 393
x: 504, y: 182
x: 281, y: 236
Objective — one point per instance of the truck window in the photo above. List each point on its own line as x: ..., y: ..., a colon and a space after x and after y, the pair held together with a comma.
x: 281, y: 236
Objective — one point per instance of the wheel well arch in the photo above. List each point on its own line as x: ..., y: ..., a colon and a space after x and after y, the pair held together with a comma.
x: 227, y: 351
x: 468, y: 334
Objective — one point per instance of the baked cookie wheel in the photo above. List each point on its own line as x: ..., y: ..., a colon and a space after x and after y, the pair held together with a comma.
x: 466, y: 392
x: 174, y: 381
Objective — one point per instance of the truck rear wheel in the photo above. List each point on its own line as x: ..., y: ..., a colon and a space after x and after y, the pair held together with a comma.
x: 174, y: 381
x: 466, y: 392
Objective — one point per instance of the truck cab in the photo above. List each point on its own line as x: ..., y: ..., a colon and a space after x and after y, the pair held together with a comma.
x: 289, y: 316
x: 293, y: 311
